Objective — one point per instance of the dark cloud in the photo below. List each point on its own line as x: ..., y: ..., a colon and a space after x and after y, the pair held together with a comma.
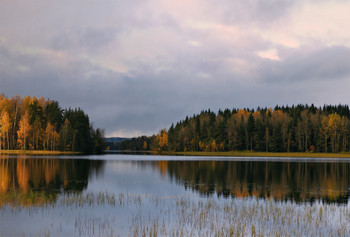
x: 149, y: 100
x: 255, y: 11
x: 329, y: 63
x: 88, y: 39
x: 137, y: 66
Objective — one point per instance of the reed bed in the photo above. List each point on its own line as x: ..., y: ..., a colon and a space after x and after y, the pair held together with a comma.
x: 109, y: 214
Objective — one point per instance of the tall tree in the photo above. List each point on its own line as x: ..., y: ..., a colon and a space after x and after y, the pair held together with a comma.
x: 5, y: 125
x: 251, y: 130
x: 24, y: 131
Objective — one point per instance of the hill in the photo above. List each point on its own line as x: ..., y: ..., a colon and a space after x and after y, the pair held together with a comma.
x: 112, y: 143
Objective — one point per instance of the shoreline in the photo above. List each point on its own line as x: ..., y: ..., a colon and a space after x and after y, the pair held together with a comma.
x: 259, y: 154
x: 191, y: 153
x: 237, y: 154
x: 37, y: 152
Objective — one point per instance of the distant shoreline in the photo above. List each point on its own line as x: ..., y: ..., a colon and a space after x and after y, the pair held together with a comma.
x: 260, y: 154
x: 37, y: 152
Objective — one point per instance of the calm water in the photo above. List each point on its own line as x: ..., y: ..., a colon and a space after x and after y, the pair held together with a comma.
x: 119, y: 194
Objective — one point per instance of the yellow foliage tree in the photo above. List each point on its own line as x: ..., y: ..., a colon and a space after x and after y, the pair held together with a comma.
x: 221, y: 146
x: 51, y: 137
x: 213, y: 146
x: 163, y: 140
x: 334, y: 127
x: 5, y: 125
x: 201, y: 145
x: 325, y: 131
x: 24, y: 131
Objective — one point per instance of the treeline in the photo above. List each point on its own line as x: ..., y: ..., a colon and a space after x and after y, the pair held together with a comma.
x: 300, y: 128
x: 37, y: 124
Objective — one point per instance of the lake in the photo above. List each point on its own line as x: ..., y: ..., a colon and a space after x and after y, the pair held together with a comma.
x: 136, y: 195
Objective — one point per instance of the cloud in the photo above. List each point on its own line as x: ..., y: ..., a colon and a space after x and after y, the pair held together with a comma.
x: 271, y: 54
x: 329, y: 63
x: 255, y: 11
x: 313, y: 24
x: 87, y: 39
x: 137, y: 66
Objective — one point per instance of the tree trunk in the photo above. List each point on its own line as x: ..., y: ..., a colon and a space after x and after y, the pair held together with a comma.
x: 14, y: 124
x: 306, y: 137
x: 8, y: 140
x: 267, y: 139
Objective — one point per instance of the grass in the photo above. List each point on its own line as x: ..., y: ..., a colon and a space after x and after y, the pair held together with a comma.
x: 37, y: 152
x: 259, y: 154
x: 156, y: 215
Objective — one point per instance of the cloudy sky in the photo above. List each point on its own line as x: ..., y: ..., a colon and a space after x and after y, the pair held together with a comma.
x: 136, y: 66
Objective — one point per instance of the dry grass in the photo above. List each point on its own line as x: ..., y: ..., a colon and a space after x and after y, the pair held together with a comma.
x: 149, y: 215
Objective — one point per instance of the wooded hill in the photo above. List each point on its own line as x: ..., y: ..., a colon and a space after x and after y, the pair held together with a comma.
x: 298, y: 128
x: 37, y: 124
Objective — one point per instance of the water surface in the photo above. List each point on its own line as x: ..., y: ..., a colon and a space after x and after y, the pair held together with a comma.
x: 131, y: 194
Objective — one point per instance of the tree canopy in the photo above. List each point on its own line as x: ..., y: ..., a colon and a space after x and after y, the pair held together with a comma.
x: 300, y: 128
x: 39, y: 124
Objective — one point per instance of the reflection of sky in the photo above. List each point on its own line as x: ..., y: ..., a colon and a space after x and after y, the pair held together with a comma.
x: 133, y: 177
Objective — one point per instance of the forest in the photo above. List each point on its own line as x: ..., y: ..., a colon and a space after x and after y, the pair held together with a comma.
x: 300, y: 128
x: 29, y: 123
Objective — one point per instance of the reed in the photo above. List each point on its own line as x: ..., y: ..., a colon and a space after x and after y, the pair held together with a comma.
x: 152, y: 215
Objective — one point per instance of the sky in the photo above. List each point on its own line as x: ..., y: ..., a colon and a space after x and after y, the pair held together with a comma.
x: 137, y: 66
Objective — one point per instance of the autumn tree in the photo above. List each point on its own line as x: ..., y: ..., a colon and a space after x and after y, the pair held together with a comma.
x: 5, y: 125
x: 26, y: 121
x: 24, y: 131
x: 334, y: 127
x: 51, y: 137
x: 163, y: 140
x: 15, y: 103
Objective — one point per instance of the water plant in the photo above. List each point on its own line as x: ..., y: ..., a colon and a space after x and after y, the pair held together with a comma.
x: 152, y: 215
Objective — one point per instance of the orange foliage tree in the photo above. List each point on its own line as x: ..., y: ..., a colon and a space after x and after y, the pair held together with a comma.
x: 5, y: 125
x: 24, y: 131
x: 163, y: 140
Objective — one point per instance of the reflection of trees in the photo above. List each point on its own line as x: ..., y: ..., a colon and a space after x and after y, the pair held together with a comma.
x: 280, y: 180
x: 28, y: 181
